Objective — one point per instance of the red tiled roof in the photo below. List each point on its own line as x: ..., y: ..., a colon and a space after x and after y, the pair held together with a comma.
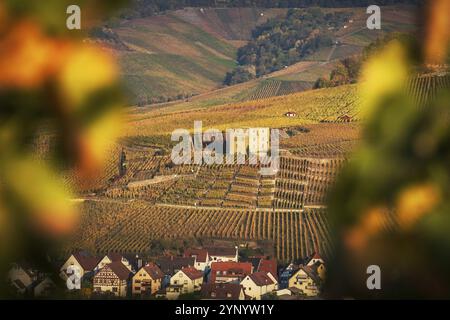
x: 200, y: 254
x: 233, y: 269
x: 268, y: 266
x: 153, y: 271
x: 244, y: 267
x: 119, y: 269
x: 261, y: 279
x: 316, y: 256
x: 221, y: 291
x: 192, y: 273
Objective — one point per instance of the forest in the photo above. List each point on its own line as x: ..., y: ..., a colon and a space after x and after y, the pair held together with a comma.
x: 347, y: 70
x: 282, y: 42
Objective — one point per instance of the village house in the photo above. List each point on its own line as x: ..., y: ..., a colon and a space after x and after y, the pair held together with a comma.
x: 113, y: 257
x: 222, y: 254
x: 187, y: 280
x: 263, y: 264
x: 22, y: 278
x: 317, y: 264
x: 201, y: 258
x: 290, y: 114
x: 83, y: 261
x: 268, y: 265
x: 170, y: 265
x: 286, y: 274
x: 222, y: 291
x: 112, y: 279
x: 258, y: 284
x: 222, y: 272
x: 147, y: 280
x: 306, y: 281
x: 29, y: 281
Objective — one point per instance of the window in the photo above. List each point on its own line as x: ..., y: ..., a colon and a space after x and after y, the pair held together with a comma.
x: 114, y: 289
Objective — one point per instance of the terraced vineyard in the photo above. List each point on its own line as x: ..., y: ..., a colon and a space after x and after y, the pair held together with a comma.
x: 304, y: 182
x: 156, y: 200
x: 273, y: 88
x: 424, y: 87
x: 129, y: 227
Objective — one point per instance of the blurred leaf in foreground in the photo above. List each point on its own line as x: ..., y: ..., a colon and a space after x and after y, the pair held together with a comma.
x: 391, y: 204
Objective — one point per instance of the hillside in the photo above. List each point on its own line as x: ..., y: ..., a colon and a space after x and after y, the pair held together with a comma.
x: 311, y: 107
x: 184, y: 52
x: 187, y: 52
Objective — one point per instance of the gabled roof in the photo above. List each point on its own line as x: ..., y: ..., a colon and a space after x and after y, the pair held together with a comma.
x: 261, y: 279
x: 119, y: 269
x: 231, y: 266
x: 309, y: 272
x: 200, y: 254
x: 86, y: 261
x: 153, y: 271
x: 221, y: 291
x: 268, y: 266
x: 315, y: 256
x: 192, y: 273
x: 169, y: 265
x: 222, y: 251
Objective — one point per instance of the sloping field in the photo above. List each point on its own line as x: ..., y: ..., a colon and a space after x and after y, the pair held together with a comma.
x: 130, y: 227
x: 228, y: 23
x: 310, y: 107
x: 171, y: 57
x: 185, y: 52
x: 273, y: 88
x: 394, y: 19
x: 188, y: 52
